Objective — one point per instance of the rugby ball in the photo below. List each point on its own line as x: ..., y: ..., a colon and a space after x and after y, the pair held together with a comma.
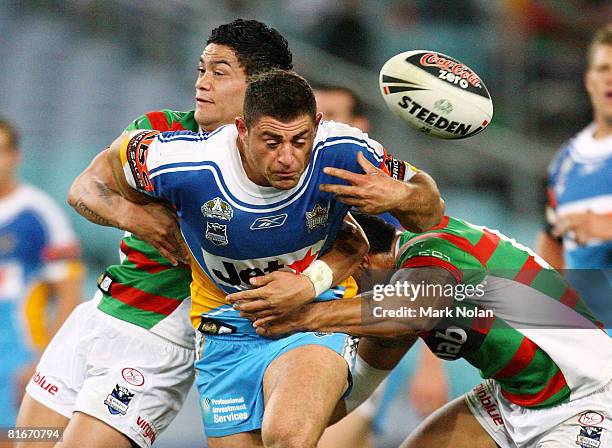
x: 436, y: 94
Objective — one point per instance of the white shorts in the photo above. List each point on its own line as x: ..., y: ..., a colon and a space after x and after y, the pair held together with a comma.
x: 582, y: 423
x: 117, y: 372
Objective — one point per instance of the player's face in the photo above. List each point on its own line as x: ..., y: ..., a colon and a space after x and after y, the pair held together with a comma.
x: 335, y: 105
x: 277, y: 152
x: 599, y: 82
x: 220, y: 87
x: 9, y: 159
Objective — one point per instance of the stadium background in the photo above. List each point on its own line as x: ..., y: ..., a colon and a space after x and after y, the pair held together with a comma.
x: 74, y: 73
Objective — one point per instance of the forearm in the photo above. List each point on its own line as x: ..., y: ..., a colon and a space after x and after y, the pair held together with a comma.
x: 94, y: 195
x: 348, y: 250
x: 420, y: 206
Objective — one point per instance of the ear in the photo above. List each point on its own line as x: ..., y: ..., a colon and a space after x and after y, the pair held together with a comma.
x: 243, y: 131
x: 318, y: 118
x: 587, y: 80
x: 365, y: 263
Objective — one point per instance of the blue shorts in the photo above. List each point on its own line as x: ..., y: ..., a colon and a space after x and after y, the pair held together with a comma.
x: 230, y: 375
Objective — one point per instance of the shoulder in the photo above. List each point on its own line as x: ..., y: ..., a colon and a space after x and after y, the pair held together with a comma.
x: 341, y: 136
x: 44, y: 210
x: 165, y: 120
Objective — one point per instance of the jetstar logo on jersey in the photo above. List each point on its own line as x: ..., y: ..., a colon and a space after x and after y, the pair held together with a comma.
x: 217, y: 208
x: 317, y: 217
x: 118, y: 400
x: 46, y: 385
x: 146, y: 429
x: 137, y: 150
x: 237, y: 273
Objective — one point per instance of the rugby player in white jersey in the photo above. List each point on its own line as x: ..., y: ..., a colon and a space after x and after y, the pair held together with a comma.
x: 267, y: 166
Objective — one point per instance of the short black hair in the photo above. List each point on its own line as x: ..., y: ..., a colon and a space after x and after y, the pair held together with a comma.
x: 379, y: 232
x: 258, y: 47
x: 281, y: 94
x: 12, y: 133
x: 603, y: 36
x: 358, y: 108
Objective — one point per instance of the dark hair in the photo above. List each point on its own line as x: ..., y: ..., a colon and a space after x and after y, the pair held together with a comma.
x: 379, y: 232
x: 258, y: 47
x: 11, y: 131
x: 281, y: 94
x: 358, y: 108
x: 602, y: 37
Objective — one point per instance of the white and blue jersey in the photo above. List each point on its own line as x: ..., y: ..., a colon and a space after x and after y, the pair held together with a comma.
x: 234, y: 228
x: 37, y: 246
x: 580, y: 180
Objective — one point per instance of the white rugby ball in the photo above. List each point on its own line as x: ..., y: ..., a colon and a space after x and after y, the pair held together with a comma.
x: 436, y: 94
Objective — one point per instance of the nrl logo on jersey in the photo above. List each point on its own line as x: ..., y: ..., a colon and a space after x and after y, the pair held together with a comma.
x: 118, y: 400
x: 317, y: 217
x: 217, y: 208
x: 216, y: 233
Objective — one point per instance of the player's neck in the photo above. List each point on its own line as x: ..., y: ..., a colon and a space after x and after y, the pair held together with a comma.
x: 251, y: 173
x: 8, y: 187
x: 603, y: 128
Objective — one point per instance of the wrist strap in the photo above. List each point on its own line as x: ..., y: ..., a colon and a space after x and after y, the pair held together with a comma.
x: 321, y: 276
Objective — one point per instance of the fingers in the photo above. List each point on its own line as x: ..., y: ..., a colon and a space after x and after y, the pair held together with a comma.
x: 365, y: 164
x: 252, y: 307
x: 247, y: 294
x: 265, y: 321
x: 348, y: 176
x: 165, y: 250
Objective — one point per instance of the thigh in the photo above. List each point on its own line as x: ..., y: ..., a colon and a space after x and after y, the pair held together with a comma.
x: 301, y: 389
x: 451, y: 426
x: 85, y: 430
x: 35, y: 414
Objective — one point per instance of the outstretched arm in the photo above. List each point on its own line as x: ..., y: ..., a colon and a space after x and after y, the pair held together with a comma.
x: 416, y: 203
x: 365, y: 315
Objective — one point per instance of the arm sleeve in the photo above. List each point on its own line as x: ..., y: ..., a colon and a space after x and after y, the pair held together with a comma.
x: 140, y: 153
x: 432, y: 250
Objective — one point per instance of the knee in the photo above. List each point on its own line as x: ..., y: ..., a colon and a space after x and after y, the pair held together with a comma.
x: 285, y: 437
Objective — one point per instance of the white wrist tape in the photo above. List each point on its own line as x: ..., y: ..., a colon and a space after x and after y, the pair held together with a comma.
x: 321, y: 276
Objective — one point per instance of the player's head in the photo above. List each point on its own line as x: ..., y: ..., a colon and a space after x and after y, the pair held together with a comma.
x: 234, y: 51
x: 598, y: 77
x: 341, y: 104
x: 278, y: 129
x: 9, y: 152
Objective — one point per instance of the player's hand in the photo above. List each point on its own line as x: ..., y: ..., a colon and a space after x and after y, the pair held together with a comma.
x: 156, y: 224
x: 584, y: 226
x: 373, y: 192
x: 275, y: 294
x: 280, y: 326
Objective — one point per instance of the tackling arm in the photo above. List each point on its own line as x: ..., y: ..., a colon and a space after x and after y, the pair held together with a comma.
x: 364, y: 315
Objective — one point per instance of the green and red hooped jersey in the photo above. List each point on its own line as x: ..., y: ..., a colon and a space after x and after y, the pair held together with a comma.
x: 536, y: 362
x: 145, y: 289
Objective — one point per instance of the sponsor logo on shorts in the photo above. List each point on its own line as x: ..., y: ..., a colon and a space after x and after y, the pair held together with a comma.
x: 590, y: 418
x: 133, y: 376
x: 46, y: 385
x: 146, y: 429
x: 224, y: 410
x: 489, y: 404
x: 118, y: 400
x: 589, y: 437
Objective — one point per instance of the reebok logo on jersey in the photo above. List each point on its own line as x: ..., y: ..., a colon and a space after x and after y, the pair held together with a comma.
x: 269, y: 222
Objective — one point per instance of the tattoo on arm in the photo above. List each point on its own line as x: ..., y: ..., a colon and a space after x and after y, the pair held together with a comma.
x: 90, y: 214
x: 105, y: 193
